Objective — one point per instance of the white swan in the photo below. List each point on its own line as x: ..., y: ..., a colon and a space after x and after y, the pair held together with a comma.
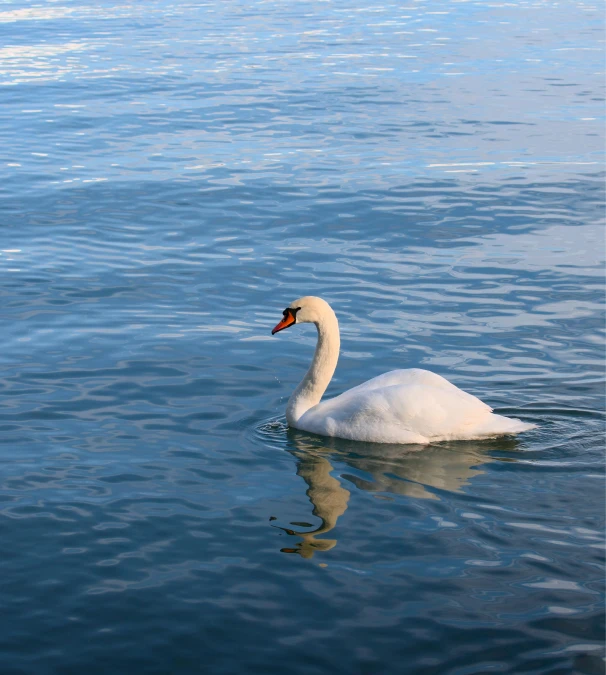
x: 402, y: 406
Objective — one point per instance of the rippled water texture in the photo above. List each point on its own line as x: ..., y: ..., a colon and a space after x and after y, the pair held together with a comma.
x: 171, y: 177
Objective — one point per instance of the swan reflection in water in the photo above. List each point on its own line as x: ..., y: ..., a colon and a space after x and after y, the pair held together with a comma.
x: 410, y: 471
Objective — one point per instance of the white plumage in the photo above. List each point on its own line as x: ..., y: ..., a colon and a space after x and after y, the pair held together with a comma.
x: 401, y: 406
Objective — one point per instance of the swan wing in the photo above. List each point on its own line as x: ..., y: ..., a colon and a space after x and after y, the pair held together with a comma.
x: 402, y: 406
x: 419, y: 378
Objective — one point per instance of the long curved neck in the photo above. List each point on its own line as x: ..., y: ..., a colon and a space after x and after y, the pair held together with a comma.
x: 313, y: 385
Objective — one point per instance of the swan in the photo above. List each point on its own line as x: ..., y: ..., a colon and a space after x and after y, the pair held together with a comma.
x: 401, y: 406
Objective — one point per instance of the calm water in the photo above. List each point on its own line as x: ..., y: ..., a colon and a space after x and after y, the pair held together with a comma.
x: 172, y: 175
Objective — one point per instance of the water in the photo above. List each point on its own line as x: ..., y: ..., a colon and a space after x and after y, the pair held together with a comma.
x: 172, y: 177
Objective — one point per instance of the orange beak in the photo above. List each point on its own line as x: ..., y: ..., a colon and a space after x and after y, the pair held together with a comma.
x: 288, y: 320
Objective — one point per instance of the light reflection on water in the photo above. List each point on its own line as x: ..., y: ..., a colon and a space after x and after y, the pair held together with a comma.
x: 173, y: 175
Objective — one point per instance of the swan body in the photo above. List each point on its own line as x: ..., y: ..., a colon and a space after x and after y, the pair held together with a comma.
x: 401, y: 406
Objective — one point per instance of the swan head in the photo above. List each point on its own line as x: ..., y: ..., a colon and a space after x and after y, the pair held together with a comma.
x: 308, y: 309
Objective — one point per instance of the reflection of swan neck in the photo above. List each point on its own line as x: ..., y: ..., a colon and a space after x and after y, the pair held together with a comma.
x: 312, y: 387
x: 329, y: 500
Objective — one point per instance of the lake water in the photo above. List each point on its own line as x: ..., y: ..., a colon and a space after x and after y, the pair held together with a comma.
x: 173, y: 175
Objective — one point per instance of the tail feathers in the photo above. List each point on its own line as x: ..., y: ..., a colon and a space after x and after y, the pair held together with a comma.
x: 497, y: 425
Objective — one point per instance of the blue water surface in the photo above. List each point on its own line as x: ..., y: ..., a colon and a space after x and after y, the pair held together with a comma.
x: 174, y: 174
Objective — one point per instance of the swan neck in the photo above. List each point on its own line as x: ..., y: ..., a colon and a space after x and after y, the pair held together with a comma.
x: 312, y: 387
